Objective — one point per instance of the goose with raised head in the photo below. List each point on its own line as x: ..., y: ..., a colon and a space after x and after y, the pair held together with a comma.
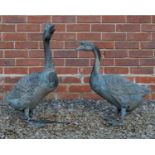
x: 31, y: 89
x: 117, y: 90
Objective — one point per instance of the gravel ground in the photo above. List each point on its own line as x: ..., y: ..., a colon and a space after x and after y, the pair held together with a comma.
x: 86, y: 117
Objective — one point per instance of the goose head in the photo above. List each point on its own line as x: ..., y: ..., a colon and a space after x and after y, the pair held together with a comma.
x: 86, y: 46
x: 48, y: 31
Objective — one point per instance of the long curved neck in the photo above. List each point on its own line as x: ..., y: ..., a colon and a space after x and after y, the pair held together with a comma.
x: 47, y: 54
x: 96, y: 67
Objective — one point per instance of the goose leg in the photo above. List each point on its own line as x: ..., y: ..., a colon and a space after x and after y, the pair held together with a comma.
x: 27, y: 114
x: 123, y: 113
x: 119, y: 122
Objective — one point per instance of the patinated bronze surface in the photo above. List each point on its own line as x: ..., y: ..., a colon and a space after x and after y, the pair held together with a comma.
x: 117, y: 90
x: 31, y: 89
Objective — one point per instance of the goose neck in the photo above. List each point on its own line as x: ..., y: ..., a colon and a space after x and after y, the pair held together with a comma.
x: 47, y: 55
x: 97, y: 54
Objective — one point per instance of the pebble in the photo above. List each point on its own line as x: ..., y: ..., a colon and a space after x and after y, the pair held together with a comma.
x: 86, y: 120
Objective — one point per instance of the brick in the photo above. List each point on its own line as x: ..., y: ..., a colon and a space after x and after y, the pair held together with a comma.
x: 16, y: 53
x: 71, y: 44
x: 69, y: 80
x: 1, y: 70
x: 63, y: 19
x: 86, y: 54
x: 107, y: 62
x: 105, y: 44
x: 14, y: 37
x: 65, y: 54
x: 1, y: 53
x: 132, y: 79
x: 89, y: 36
x: 113, y: 19
x: 6, y: 45
x: 68, y: 96
x: 138, y: 19
x: 60, y: 27
x: 35, y: 69
x: 8, y: 87
x: 102, y: 27
x: 153, y: 36
x: 127, y: 62
x: 116, y: 70
x: 141, y: 70
x: 39, y: 19
x: 61, y: 88
x: 92, y: 96
x: 126, y: 45
x: 1, y: 90
x: 89, y: 19
x: 28, y: 27
x: 78, y: 27
x: 36, y: 54
x: 66, y: 70
x: 153, y: 19
x: 34, y: 36
x: 11, y: 80
x: 153, y: 96
x: 127, y: 27
x: 87, y: 79
x: 147, y: 45
x: 57, y: 44
x: 7, y: 28
x: 80, y: 88
x: 7, y: 62
x: 148, y: 27
x: 104, y: 62
x: 116, y: 54
x: 114, y: 36
x: 64, y: 36
x: 147, y: 62
x: 77, y: 62
x: 147, y: 97
x: 29, y: 62
x: 58, y: 62
x: 145, y: 79
x: 13, y: 19
x: 85, y: 70
x: 152, y: 87
x: 53, y: 44
x: 141, y: 53
x: 17, y: 70
x: 26, y: 45
x: 138, y: 36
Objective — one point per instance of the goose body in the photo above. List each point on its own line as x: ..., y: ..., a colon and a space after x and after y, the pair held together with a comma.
x: 31, y: 89
x: 117, y: 90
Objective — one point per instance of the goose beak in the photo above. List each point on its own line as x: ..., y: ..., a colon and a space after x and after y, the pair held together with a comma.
x: 78, y: 49
x: 52, y: 29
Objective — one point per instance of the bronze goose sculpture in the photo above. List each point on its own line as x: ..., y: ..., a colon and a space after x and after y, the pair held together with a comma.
x: 32, y: 88
x: 118, y: 91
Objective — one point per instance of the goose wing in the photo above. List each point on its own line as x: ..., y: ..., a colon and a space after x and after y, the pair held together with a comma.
x: 122, y: 89
x: 25, y: 86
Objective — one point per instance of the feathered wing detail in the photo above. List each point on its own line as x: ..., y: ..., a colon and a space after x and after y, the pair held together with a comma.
x: 118, y: 84
x: 124, y: 91
x: 25, y: 85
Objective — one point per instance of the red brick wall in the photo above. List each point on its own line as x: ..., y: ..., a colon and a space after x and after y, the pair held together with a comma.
x: 127, y: 44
